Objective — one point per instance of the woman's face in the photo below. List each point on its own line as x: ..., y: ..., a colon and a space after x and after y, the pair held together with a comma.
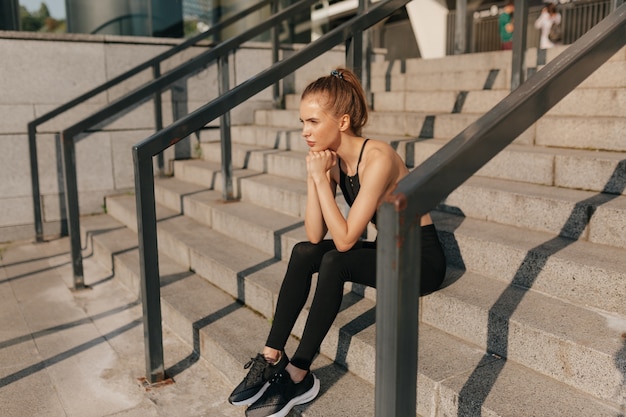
x: 320, y: 129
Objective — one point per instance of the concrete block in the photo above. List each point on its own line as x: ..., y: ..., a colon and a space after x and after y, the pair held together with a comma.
x: 66, y: 119
x: 526, y: 322
x: 71, y: 69
x: 483, y: 100
x: 452, y: 80
x: 559, y: 211
x: 577, y: 271
x: 518, y: 389
x: 15, y: 211
x: 390, y: 101
x: 121, y: 153
x: 282, y: 194
x: 592, y: 102
x: 90, y: 202
x: 120, y: 58
x: 170, y: 192
x: 14, y: 163
x: 607, y: 225
x: 430, y: 102
x: 449, y: 125
x: 476, y: 61
x: 610, y: 75
x: 601, y: 133
x: 197, y: 172
x: 199, y: 206
x: 288, y: 164
x: 593, y: 171
x: 262, y: 58
x: 521, y: 164
x: 14, y: 118
x: 395, y: 123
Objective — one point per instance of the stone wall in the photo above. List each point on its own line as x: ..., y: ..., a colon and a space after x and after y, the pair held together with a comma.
x: 41, y: 72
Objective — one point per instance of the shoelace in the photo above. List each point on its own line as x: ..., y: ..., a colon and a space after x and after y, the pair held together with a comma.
x: 256, y: 371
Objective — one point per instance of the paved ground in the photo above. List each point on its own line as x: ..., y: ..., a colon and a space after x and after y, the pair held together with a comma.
x: 66, y: 353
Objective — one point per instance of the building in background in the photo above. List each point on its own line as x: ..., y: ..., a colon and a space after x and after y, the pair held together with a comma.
x: 425, y: 28
x: 159, y: 18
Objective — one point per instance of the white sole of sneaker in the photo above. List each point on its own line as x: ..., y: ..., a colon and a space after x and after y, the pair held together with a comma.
x: 253, y: 398
x: 301, y: 399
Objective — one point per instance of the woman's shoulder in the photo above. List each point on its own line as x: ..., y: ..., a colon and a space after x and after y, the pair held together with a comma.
x: 379, y: 146
x: 380, y: 152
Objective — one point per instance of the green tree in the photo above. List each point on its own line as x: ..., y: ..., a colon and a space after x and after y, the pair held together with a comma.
x: 29, y: 22
x: 40, y: 21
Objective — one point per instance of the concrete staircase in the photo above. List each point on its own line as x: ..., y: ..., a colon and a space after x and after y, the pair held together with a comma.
x: 531, y: 320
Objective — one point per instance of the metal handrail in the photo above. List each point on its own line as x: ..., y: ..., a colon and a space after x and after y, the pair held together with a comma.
x: 425, y: 187
x: 154, y: 87
x: 151, y: 63
x: 144, y: 151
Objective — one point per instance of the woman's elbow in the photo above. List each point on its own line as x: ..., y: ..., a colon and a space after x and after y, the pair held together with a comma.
x: 344, y: 246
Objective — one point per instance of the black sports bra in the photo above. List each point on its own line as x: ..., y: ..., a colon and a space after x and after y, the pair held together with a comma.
x: 350, y: 185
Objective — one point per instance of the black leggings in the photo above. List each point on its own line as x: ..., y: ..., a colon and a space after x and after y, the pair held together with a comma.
x: 335, y: 268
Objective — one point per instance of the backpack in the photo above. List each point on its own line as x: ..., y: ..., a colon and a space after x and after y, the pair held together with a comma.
x: 555, y: 33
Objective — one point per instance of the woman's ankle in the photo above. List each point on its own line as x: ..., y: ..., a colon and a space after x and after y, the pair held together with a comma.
x: 296, y: 374
x: 271, y: 355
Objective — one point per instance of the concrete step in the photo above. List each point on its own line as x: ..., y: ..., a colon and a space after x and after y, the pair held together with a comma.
x: 575, y: 214
x: 226, y: 333
x: 274, y: 161
x: 472, y: 62
x: 575, y: 271
x: 451, y: 80
x: 578, y: 132
x: 351, y: 340
x: 537, y: 312
x: 596, y: 171
x: 517, y: 323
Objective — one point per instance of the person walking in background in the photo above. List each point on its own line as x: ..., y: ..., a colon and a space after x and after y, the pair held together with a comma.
x: 333, y: 111
x: 505, y: 26
x: 548, y: 23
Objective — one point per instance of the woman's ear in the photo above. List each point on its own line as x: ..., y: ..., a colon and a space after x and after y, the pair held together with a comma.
x: 344, y: 123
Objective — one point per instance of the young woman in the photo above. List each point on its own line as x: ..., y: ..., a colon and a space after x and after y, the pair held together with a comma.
x: 332, y: 111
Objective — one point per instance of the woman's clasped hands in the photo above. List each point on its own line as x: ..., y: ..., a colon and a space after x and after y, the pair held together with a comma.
x: 318, y: 163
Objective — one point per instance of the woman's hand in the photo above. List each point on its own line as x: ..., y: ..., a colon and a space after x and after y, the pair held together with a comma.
x: 319, y: 163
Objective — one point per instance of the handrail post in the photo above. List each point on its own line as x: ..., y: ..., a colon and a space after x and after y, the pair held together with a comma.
x: 275, y: 42
x: 227, y: 164
x: 34, y: 178
x: 158, y: 115
x: 519, y: 44
x: 397, y: 303
x: 149, y: 266
x: 72, y: 208
x: 460, y: 28
x: 354, y: 53
x: 366, y: 60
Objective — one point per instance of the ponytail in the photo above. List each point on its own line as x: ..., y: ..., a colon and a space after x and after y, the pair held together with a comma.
x: 344, y: 95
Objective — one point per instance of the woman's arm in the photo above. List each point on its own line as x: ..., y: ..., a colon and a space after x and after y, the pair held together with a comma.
x: 375, y: 181
x: 313, y: 219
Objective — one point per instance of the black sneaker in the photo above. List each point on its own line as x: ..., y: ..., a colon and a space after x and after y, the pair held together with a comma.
x: 257, y: 381
x: 284, y: 394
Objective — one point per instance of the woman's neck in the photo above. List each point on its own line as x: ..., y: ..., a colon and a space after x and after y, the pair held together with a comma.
x: 349, y: 151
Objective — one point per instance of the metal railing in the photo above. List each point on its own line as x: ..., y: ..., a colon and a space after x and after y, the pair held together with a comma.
x: 425, y: 187
x: 483, y: 34
x: 152, y: 88
x: 143, y: 152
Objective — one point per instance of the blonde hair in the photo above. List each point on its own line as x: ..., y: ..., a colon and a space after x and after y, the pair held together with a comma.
x: 344, y: 95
